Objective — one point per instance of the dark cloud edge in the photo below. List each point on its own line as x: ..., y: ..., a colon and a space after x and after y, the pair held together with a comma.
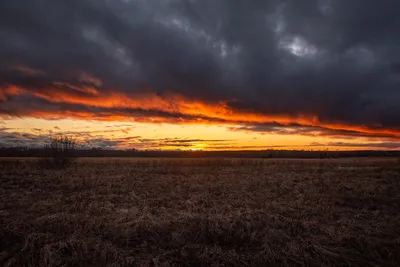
x: 329, y: 58
x: 41, y: 108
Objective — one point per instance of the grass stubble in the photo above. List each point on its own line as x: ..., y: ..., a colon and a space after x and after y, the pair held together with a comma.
x: 201, y: 212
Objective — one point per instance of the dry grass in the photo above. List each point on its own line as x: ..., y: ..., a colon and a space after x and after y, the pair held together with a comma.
x: 218, y: 212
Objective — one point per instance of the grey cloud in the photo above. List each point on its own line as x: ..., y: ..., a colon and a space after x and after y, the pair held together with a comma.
x: 314, y: 131
x: 375, y: 145
x: 101, y: 143
x: 333, y: 59
x: 100, y: 139
x: 16, y: 139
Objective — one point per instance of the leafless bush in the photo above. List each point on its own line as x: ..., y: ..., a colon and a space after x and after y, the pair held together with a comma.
x: 60, y: 152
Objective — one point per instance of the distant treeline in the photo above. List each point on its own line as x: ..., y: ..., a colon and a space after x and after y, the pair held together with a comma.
x: 45, y: 152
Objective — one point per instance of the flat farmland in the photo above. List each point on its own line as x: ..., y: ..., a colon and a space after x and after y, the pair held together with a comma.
x: 200, y: 212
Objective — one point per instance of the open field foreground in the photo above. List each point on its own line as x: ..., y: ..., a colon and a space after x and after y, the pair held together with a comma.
x: 201, y: 212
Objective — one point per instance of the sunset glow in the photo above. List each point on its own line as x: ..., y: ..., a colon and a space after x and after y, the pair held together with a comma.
x: 189, y: 87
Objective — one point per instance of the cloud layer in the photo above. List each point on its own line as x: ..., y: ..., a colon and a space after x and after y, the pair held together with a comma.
x: 87, y: 139
x: 331, y: 66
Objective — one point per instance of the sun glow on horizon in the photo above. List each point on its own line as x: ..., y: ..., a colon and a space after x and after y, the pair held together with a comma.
x: 165, y: 136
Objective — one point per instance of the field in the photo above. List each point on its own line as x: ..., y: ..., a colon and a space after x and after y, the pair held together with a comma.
x: 201, y: 212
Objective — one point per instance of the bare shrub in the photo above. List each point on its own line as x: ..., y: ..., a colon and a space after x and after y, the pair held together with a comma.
x: 60, y: 152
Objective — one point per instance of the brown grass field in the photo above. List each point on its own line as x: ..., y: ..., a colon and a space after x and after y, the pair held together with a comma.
x: 201, y: 212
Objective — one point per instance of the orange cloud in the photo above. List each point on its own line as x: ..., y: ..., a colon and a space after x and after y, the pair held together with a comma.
x: 185, y: 110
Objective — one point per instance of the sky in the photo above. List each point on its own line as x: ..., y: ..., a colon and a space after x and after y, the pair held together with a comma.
x: 201, y: 74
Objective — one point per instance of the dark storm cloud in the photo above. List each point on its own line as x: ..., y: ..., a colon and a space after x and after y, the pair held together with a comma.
x: 337, y: 60
x: 314, y: 131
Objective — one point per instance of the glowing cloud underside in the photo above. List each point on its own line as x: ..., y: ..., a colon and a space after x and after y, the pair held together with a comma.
x: 289, y: 69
